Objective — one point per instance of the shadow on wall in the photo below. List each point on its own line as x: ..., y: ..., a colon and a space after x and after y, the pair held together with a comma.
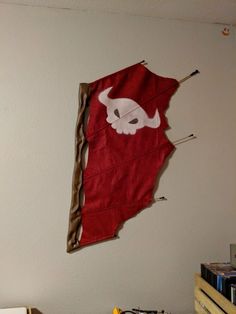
x: 36, y: 311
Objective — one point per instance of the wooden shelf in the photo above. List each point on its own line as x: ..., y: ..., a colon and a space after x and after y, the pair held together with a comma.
x: 209, y: 300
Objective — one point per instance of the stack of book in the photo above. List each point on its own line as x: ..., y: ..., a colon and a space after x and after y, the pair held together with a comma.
x: 222, y: 276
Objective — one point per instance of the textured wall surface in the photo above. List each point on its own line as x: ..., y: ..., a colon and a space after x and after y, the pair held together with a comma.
x: 44, y: 55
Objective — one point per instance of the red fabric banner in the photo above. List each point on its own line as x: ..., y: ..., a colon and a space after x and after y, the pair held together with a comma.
x: 127, y: 148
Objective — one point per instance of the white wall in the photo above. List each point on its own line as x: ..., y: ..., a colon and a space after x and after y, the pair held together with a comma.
x: 44, y: 55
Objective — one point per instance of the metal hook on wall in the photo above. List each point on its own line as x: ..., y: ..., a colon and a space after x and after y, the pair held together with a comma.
x: 143, y: 62
x: 162, y: 198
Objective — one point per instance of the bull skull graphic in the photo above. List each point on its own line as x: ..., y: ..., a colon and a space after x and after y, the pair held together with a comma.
x: 125, y: 115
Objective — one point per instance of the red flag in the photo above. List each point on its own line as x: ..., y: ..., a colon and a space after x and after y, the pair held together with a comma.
x: 127, y: 148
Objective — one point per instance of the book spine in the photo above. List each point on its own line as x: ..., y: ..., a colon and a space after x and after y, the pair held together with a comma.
x: 203, y: 271
x: 233, y: 294
x: 227, y: 281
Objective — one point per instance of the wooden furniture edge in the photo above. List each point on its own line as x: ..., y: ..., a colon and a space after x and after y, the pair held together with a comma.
x: 217, y: 297
x: 199, y: 308
x: 207, y: 304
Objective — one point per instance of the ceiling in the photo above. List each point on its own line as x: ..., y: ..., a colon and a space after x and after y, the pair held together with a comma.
x: 207, y: 11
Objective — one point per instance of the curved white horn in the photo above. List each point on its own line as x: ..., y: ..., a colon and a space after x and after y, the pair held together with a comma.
x: 155, y: 121
x: 103, y: 96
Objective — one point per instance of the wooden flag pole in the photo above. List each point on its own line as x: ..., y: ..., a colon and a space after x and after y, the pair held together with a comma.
x: 189, y: 76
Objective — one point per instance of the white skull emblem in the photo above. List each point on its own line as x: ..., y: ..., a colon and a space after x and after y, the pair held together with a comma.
x: 125, y: 115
